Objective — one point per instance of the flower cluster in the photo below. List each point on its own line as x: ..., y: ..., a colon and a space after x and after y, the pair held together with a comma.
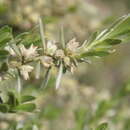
x: 20, y: 57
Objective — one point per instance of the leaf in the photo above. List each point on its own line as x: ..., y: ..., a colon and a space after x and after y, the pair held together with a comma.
x: 103, y: 107
x: 42, y: 34
x: 27, y: 98
x: 118, y: 28
x: 29, y: 107
x: 102, y: 126
x: 80, y: 118
x: 3, y: 54
x: 4, y: 67
x: 46, y: 78
x: 94, y: 53
x: 28, y: 38
x: 15, y: 49
x: 4, y: 108
x: 110, y: 42
x: 93, y: 37
x: 12, y: 100
x: 5, y: 35
x: 60, y: 73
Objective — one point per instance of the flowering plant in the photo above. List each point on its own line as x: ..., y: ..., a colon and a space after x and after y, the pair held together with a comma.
x: 29, y: 51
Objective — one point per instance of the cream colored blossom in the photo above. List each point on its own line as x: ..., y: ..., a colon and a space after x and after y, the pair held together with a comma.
x: 60, y: 53
x: 25, y: 70
x: 67, y: 60
x: 72, y: 68
x: 51, y: 47
x: 72, y: 45
x: 47, y: 61
x: 29, y: 53
x: 10, y: 50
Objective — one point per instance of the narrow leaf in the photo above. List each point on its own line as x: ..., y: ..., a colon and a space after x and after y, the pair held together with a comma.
x: 46, y: 78
x: 93, y: 37
x: 27, y: 98
x: 15, y: 49
x: 29, y: 107
x: 118, y: 28
x: 111, y: 42
x: 60, y: 73
x: 95, y: 53
x: 3, y: 54
x: 5, y: 35
x: 12, y: 100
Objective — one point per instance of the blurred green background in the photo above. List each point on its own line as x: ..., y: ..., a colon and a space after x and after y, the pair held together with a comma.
x: 95, y: 93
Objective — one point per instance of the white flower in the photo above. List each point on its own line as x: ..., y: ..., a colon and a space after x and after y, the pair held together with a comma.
x: 47, y: 61
x: 29, y: 53
x: 10, y: 50
x: 25, y: 70
x: 72, y: 45
x: 60, y: 53
x: 51, y: 47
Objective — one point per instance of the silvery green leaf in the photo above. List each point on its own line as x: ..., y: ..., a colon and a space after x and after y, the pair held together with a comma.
x: 42, y: 34
x: 119, y: 27
x: 46, y: 78
x: 60, y: 73
x: 93, y: 37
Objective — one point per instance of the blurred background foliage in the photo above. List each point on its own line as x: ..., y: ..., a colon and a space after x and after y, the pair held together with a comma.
x: 95, y: 93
